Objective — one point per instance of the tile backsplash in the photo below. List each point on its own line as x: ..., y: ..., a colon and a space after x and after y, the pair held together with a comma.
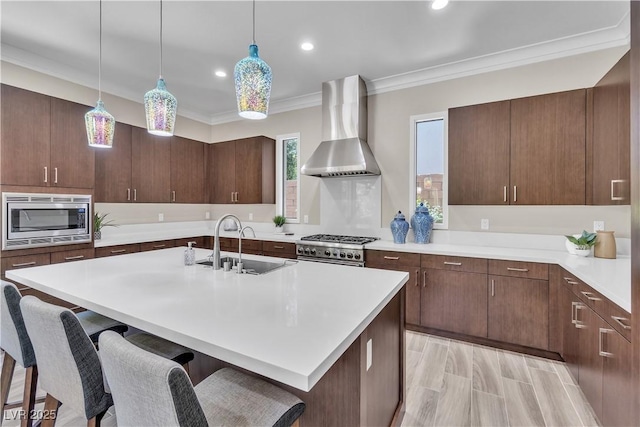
x: 351, y: 205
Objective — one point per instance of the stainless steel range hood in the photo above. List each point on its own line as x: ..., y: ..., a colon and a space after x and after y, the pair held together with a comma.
x: 344, y: 150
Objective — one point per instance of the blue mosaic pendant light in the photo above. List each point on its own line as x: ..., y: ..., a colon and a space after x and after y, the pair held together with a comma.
x: 160, y: 106
x: 253, y: 82
x: 99, y: 123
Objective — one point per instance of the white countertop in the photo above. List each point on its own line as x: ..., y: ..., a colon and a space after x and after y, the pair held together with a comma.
x: 290, y: 325
x: 610, y: 277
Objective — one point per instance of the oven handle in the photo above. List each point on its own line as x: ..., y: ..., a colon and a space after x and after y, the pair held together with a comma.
x: 331, y: 261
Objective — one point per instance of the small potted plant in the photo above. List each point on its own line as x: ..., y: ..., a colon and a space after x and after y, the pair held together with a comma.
x: 581, y: 243
x: 279, y: 221
x: 99, y: 222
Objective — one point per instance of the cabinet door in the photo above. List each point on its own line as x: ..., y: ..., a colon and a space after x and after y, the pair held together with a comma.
x: 150, y: 167
x: 412, y: 298
x: 591, y: 363
x: 113, y: 168
x: 548, y: 149
x: 617, y: 384
x: 454, y: 301
x: 221, y: 167
x: 255, y: 170
x: 611, y: 136
x: 519, y: 311
x: 187, y: 171
x: 72, y: 160
x: 479, y: 154
x: 570, y: 340
x: 26, y: 131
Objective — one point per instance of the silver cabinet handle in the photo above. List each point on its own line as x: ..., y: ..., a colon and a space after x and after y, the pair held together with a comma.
x: 601, y: 351
x: 452, y: 263
x: 73, y: 258
x: 567, y: 279
x: 278, y: 247
x: 135, y: 194
x: 232, y: 193
x: 392, y: 258
x: 619, y: 320
x: 578, y: 324
x: 515, y: 193
x: 417, y: 277
x: 590, y: 296
x: 572, y: 282
x: 46, y: 174
x: 493, y: 288
x: 128, y: 194
x: 504, y: 194
x: 158, y: 246
x: 522, y: 270
x: 236, y: 196
x: 118, y: 251
x: 55, y: 175
x: 613, y: 182
x: 173, y: 196
x: 424, y: 279
x: 24, y: 264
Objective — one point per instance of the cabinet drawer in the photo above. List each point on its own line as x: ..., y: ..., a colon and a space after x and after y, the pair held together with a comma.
x: 200, y: 242
x: 454, y: 263
x: 154, y: 246
x: 391, y: 260
x: 250, y: 245
x: 24, y: 261
x: 279, y: 248
x: 619, y: 319
x: 117, y: 250
x: 593, y: 299
x: 68, y: 256
x: 527, y: 270
x: 228, y: 244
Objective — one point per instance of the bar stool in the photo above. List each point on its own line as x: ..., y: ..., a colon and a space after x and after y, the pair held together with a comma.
x: 151, y: 391
x: 17, y: 347
x: 69, y: 365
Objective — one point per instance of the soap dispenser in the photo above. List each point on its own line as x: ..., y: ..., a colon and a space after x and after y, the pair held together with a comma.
x: 189, y: 254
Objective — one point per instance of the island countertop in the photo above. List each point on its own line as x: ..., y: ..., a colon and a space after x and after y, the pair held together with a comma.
x: 290, y: 325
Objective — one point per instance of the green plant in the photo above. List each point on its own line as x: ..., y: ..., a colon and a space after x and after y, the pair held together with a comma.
x: 99, y: 221
x: 279, y: 220
x: 585, y: 241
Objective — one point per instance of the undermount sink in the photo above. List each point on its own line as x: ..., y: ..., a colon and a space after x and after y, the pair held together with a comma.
x: 249, y: 266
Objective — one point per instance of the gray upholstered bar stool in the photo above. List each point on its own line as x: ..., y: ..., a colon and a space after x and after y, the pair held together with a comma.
x: 17, y: 347
x: 151, y: 391
x: 68, y: 362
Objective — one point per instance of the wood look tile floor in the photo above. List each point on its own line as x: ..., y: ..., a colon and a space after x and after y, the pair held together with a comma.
x: 453, y: 383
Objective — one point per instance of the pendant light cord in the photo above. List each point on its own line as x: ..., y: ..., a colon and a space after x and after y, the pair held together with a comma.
x: 160, y: 38
x: 254, y: 22
x: 100, y: 58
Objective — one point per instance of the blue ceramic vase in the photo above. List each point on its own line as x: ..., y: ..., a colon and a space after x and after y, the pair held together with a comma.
x: 399, y: 228
x: 422, y: 224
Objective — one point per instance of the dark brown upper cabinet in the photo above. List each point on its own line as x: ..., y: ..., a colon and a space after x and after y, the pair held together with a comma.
x: 610, y: 149
x: 479, y: 154
x: 150, y: 167
x: 113, y: 168
x: 187, y: 171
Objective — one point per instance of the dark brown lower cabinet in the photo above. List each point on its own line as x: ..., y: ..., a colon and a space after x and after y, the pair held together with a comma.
x: 617, y: 384
x: 413, y: 298
x: 454, y: 301
x: 570, y: 340
x: 591, y: 363
x: 518, y: 311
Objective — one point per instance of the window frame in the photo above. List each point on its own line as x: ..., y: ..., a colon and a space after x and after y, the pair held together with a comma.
x: 280, y: 175
x: 413, y: 123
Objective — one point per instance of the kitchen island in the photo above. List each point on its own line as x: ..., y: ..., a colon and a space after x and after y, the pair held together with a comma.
x: 331, y: 334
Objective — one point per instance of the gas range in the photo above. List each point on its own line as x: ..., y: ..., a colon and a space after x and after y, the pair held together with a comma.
x: 333, y: 249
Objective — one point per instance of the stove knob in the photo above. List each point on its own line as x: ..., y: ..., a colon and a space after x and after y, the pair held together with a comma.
x: 357, y: 256
x: 313, y: 251
x: 335, y: 253
x: 342, y: 254
x: 306, y: 251
x: 327, y: 252
x: 300, y: 250
x: 349, y: 255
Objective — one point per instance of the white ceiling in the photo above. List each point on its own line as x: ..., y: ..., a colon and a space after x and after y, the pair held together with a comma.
x: 392, y: 44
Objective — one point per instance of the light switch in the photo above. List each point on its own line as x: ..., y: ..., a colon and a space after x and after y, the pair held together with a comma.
x: 160, y: 217
x: 598, y: 225
x: 207, y: 215
x: 250, y: 217
x: 306, y: 219
x: 484, y: 224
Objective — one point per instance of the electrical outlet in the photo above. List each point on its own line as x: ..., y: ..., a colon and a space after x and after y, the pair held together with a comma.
x: 369, y: 354
x: 484, y: 224
x: 306, y: 219
x: 160, y: 217
x: 250, y: 217
x: 207, y: 215
x: 598, y: 225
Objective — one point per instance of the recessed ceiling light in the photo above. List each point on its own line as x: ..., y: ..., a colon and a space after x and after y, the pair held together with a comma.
x: 220, y: 73
x: 306, y: 46
x: 439, y: 4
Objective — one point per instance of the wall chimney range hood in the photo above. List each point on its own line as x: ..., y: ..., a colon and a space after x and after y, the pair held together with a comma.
x: 344, y: 150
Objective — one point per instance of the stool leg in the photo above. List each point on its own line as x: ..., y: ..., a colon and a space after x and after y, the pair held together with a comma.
x: 29, y: 397
x: 95, y: 421
x: 296, y: 423
x: 8, y: 365
x: 186, y: 368
x: 51, y: 405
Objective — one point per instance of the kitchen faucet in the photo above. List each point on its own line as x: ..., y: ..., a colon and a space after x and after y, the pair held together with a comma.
x: 216, y: 239
x: 240, y: 234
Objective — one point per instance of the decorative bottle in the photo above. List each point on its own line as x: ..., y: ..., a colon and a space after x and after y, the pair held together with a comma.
x: 399, y: 228
x: 605, y: 245
x: 189, y: 254
x: 422, y: 224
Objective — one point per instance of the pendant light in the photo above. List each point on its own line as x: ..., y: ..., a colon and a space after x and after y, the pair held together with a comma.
x: 99, y: 123
x: 159, y: 105
x: 253, y: 81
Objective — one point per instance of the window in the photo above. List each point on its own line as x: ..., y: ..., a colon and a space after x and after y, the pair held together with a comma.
x: 288, y: 176
x: 429, y: 166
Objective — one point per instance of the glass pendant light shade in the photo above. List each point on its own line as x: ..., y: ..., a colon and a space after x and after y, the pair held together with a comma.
x: 160, y: 108
x: 253, y: 85
x: 100, y: 126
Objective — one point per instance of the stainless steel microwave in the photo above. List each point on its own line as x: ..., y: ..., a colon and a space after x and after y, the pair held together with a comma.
x: 35, y: 220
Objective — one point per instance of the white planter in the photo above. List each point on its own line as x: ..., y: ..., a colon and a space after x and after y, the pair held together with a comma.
x: 279, y: 230
x: 582, y: 252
